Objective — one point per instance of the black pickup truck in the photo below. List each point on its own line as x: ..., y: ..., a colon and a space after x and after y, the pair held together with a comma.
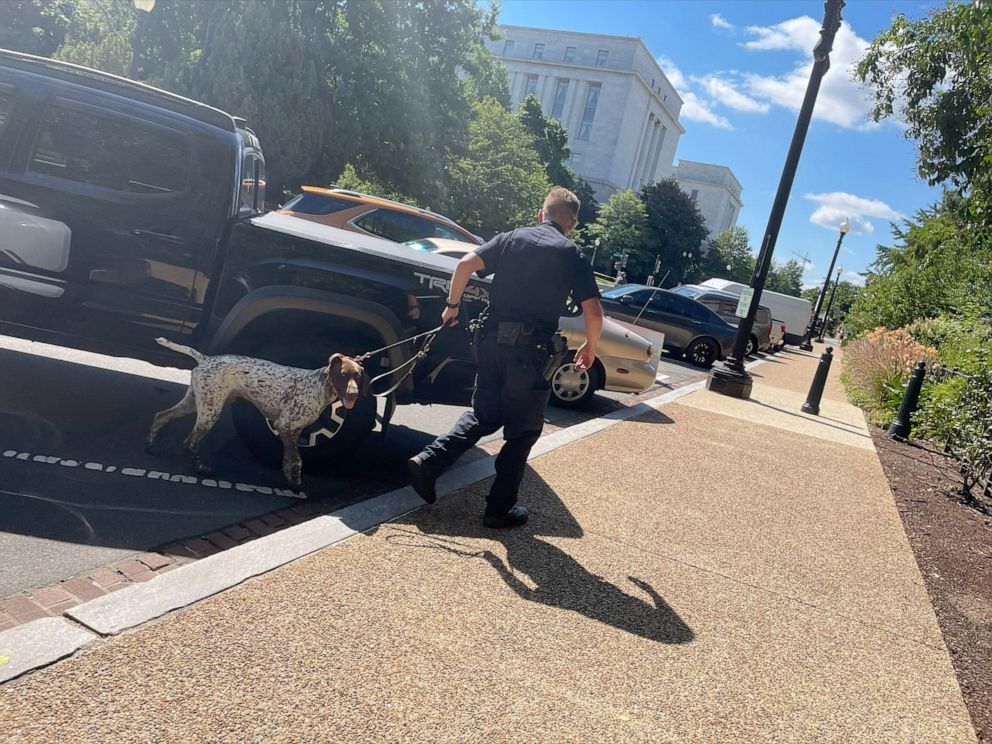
x: 127, y: 213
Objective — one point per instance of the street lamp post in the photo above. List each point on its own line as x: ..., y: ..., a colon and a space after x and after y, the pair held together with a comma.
x: 596, y: 245
x: 830, y: 304
x: 845, y: 226
x: 731, y: 378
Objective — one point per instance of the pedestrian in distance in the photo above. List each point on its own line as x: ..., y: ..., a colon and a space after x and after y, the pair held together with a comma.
x: 534, y: 269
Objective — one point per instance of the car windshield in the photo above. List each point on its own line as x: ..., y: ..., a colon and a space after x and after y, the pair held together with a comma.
x: 612, y: 294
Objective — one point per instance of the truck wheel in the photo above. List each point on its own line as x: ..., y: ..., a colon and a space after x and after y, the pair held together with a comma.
x: 337, y: 430
x: 572, y: 387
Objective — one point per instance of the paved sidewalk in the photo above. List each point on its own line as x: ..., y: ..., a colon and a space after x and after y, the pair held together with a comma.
x: 715, y: 571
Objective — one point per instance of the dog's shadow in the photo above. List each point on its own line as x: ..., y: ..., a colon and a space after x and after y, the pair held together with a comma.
x: 454, y: 527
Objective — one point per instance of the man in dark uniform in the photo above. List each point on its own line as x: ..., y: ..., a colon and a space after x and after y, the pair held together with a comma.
x: 535, y: 270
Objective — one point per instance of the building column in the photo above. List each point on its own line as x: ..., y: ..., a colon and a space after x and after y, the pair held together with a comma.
x: 653, y: 170
x: 642, y: 153
x: 652, y: 144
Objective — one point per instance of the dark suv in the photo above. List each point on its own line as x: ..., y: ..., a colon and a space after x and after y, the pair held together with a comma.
x: 690, y: 327
x: 725, y: 304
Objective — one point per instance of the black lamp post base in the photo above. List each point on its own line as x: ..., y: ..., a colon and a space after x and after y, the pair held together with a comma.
x: 729, y: 382
x: 806, y: 346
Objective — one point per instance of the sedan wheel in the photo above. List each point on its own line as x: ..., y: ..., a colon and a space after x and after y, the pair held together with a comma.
x: 572, y: 387
x: 701, y: 352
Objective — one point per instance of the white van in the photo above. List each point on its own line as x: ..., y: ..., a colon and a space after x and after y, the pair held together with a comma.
x: 794, y: 312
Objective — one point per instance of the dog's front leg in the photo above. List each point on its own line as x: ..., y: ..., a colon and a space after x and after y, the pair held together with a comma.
x: 292, y: 466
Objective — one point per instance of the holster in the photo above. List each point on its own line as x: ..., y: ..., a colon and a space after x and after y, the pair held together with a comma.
x: 557, y: 349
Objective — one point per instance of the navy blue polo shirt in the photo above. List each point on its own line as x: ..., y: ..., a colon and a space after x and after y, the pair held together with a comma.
x: 535, y: 270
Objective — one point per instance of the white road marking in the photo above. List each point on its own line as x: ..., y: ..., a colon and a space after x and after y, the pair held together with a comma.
x: 188, y: 480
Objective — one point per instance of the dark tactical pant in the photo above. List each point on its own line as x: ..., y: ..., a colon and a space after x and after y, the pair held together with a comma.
x: 511, y: 392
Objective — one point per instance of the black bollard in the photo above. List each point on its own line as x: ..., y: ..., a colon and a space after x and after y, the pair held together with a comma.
x: 812, y: 404
x: 902, y: 425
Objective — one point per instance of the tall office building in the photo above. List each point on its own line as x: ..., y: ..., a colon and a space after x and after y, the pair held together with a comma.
x: 716, y: 191
x: 620, y: 110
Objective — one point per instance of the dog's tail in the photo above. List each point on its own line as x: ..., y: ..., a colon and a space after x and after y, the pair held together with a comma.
x: 182, y: 349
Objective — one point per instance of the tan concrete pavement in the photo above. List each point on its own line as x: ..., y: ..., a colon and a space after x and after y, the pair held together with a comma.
x: 714, y: 572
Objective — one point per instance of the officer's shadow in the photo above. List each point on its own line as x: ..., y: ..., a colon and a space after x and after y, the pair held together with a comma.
x: 559, y: 579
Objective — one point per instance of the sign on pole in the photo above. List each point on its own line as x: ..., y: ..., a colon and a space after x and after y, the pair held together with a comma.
x: 744, y: 304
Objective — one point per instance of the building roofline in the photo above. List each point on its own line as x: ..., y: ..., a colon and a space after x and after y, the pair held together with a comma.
x: 708, y: 165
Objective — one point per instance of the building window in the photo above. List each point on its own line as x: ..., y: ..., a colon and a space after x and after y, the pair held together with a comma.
x: 558, y: 106
x: 508, y: 47
x: 530, y: 86
x: 694, y: 195
x: 601, y: 58
x: 575, y: 161
x: 539, y: 51
x: 569, y: 54
x: 589, y: 112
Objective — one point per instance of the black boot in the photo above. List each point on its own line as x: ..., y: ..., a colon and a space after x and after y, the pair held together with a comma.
x: 516, y: 517
x: 423, y: 477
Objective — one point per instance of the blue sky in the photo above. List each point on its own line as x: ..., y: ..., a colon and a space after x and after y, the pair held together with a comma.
x: 742, y: 68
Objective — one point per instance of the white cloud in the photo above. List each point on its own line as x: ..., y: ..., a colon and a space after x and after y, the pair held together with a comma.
x: 840, y: 100
x: 694, y: 107
x: 835, y: 206
x: 725, y: 92
x: 719, y: 21
x: 853, y: 277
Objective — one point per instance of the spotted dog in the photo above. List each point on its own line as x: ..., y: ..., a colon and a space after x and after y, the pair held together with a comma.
x: 288, y: 397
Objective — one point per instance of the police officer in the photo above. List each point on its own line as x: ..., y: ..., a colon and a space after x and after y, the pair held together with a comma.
x: 535, y: 269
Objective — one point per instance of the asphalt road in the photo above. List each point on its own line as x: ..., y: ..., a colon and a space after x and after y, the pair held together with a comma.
x: 78, y: 489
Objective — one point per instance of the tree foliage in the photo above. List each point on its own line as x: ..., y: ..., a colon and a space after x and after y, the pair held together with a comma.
x: 99, y: 35
x: 499, y: 181
x: 729, y: 256
x: 34, y: 26
x: 786, y: 278
x: 675, y: 226
x: 935, y: 74
x: 620, y: 227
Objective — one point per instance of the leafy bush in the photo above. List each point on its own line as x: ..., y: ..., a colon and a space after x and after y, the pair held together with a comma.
x: 876, y: 365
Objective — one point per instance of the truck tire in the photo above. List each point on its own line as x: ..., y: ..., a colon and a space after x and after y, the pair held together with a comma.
x: 334, y: 434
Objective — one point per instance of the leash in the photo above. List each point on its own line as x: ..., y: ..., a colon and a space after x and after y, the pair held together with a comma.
x: 411, y: 362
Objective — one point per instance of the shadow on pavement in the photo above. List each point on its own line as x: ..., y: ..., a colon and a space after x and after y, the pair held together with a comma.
x: 454, y: 526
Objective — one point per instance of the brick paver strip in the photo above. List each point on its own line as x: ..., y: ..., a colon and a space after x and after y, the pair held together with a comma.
x: 51, y: 595
x: 201, y: 547
x: 119, y: 585
x: 83, y: 589
x: 135, y: 570
x: 221, y: 540
x: 273, y: 521
x: 23, y: 609
x: 105, y: 577
x: 154, y: 561
x: 259, y: 527
x: 179, y: 553
x: 58, y: 609
x: 237, y: 532
x: 292, y: 517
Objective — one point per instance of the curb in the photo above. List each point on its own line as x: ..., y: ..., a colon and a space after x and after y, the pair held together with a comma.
x: 42, y: 642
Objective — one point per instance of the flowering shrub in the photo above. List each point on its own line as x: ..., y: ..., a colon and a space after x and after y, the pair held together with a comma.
x: 876, y: 365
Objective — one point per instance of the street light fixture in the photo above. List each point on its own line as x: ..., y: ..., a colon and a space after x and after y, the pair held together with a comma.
x: 731, y: 378
x: 596, y: 245
x: 806, y: 345
x: 833, y: 293
x: 146, y: 5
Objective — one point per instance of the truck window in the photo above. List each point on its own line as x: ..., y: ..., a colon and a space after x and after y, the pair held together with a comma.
x: 440, y: 231
x: 398, y: 226
x: 252, y: 194
x: 110, y: 152
x: 317, y: 204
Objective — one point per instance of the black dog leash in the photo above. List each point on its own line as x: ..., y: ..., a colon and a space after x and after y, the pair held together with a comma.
x: 411, y: 362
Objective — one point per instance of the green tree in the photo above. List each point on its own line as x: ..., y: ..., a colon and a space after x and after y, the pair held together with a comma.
x: 486, y: 77
x: 498, y: 183
x: 34, y: 26
x: 675, y: 226
x: 936, y: 75
x: 786, y: 278
x: 620, y: 227
x: 844, y: 298
x: 550, y: 141
x: 351, y: 179
x: 729, y: 256
x: 99, y: 35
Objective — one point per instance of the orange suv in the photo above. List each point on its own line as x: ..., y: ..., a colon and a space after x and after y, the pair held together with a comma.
x: 350, y: 210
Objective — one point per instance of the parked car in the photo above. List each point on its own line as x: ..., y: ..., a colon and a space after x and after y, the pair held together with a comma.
x: 625, y: 362
x: 690, y: 327
x: 724, y: 304
x: 795, y: 312
x: 776, y: 338
x: 350, y: 210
